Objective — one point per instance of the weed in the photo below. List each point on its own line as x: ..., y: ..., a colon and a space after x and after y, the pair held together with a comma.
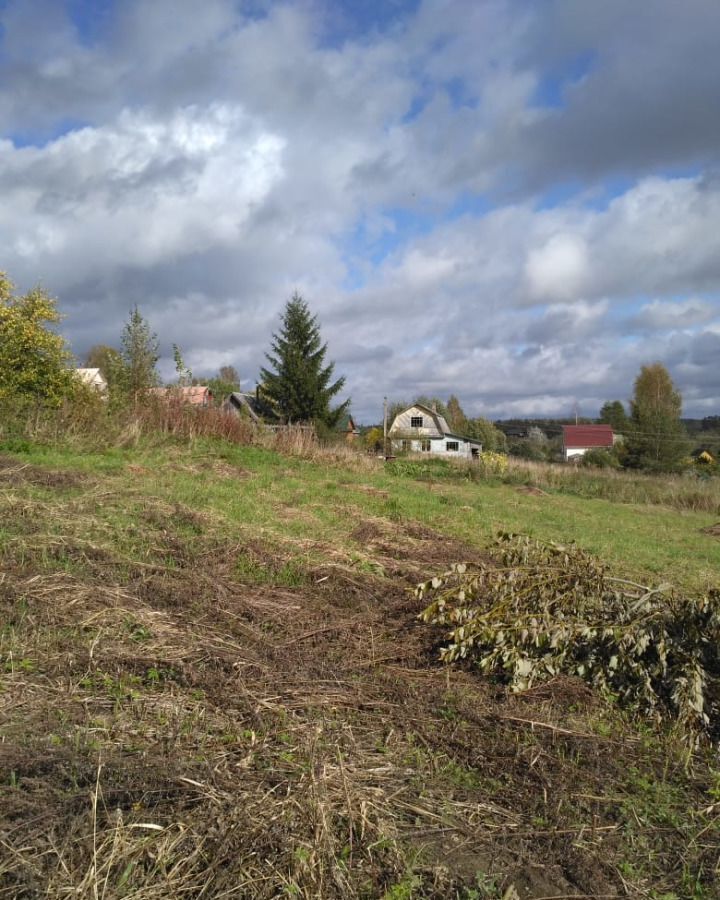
x: 404, y: 889
x: 485, y: 888
x: 251, y: 570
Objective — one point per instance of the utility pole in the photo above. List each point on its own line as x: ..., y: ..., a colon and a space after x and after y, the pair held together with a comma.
x: 385, y: 448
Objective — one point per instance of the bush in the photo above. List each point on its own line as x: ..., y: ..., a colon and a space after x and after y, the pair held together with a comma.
x: 493, y: 463
x: 549, y: 609
x: 526, y: 449
x: 600, y: 459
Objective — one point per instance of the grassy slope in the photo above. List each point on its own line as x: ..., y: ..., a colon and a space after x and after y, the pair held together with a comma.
x: 221, y: 643
x: 291, y: 497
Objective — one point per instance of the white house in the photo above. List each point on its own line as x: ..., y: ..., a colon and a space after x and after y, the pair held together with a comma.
x: 93, y: 378
x: 419, y: 429
x: 578, y: 439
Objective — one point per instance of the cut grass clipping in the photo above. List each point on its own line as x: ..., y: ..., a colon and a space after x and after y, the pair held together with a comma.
x: 544, y: 609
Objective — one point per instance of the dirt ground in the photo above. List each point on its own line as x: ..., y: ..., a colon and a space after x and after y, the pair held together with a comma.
x: 173, y: 728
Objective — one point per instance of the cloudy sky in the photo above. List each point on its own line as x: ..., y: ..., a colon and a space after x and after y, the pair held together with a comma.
x: 510, y: 200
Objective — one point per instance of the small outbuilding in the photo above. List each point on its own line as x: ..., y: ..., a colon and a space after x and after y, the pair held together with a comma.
x: 578, y: 439
x: 253, y: 405
x: 347, y: 427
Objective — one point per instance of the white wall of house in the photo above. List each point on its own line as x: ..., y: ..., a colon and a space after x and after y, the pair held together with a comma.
x: 571, y: 452
x: 439, y: 447
x: 575, y: 452
x: 92, y: 378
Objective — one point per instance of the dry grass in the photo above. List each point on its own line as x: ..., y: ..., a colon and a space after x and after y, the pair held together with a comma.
x: 689, y: 491
x: 90, y: 425
x: 173, y: 728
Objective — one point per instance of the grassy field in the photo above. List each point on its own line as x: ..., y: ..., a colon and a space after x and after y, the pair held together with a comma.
x: 290, y: 499
x: 213, y: 683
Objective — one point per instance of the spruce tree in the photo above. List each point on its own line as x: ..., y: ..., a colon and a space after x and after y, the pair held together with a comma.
x: 300, y: 385
x: 656, y: 437
x: 613, y: 413
x: 139, y: 354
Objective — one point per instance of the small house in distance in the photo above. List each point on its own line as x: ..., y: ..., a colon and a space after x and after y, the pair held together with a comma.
x: 578, y: 439
x: 419, y: 429
x: 347, y: 427
x: 196, y: 395
x: 253, y: 405
x: 93, y: 378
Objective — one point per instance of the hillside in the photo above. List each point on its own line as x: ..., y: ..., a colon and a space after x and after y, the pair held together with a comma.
x: 213, y: 683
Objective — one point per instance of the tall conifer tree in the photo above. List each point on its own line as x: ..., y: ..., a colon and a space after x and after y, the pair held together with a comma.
x: 139, y: 354
x: 300, y: 385
x: 613, y: 413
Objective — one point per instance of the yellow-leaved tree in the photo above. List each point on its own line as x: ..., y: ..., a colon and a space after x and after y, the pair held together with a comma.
x: 34, y: 360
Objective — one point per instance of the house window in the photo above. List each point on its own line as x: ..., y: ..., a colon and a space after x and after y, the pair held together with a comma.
x: 406, y: 445
x: 452, y: 446
x: 416, y: 421
x: 425, y: 446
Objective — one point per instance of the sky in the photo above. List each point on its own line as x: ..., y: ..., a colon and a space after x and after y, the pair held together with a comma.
x: 513, y: 201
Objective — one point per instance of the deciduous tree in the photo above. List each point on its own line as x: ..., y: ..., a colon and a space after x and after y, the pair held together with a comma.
x: 656, y: 437
x: 489, y: 436
x: 229, y: 374
x: 224, y: 383
x: 456, y: 418
x: 34, y: 360
x: 299, y: 383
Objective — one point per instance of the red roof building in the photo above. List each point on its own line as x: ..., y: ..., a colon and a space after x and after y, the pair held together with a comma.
x: 197, y: 395
x: 578, y: 439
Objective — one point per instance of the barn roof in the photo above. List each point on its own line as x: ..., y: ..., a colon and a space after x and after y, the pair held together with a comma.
x: 89, y: 375
x: 580, y: 436
x: 196, y: 395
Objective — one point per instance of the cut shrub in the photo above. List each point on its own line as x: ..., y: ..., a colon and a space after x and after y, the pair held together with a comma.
x: 545, y: 609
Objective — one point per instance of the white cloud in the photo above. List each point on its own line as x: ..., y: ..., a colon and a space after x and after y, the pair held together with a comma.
x: 245, y: 155
x: 558, y: 270
x: 134, y: 192
x: 667, y: 315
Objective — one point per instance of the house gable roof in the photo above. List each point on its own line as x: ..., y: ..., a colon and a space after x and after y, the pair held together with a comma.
x: 256, y: 404
x: 196, y: 395
x: 91, y: 376
x: 577, y: 437
x: 441, y: 424
x: 347, y: 424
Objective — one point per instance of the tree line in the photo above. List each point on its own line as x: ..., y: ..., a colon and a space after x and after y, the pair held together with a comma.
x: 297, y: 384
x: 654, y: 436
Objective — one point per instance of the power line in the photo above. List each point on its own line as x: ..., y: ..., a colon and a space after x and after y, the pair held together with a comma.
x: 667, y: 435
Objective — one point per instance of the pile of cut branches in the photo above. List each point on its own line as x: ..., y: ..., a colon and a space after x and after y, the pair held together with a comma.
x: 544, y: 609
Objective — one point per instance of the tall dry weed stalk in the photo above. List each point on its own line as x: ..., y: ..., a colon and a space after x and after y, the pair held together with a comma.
x: 686, y: 491
x: 90, y: 423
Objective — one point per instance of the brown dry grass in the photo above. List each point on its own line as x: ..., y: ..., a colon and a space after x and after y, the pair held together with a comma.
x: 91, y: 425
x: 689, y: 491
x: 171, y: 729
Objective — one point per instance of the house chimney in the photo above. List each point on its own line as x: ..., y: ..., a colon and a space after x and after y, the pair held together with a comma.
x: 434, y: 407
